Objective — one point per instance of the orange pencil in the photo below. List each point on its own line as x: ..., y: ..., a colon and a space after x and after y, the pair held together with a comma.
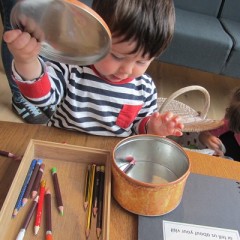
x: 39, y: 207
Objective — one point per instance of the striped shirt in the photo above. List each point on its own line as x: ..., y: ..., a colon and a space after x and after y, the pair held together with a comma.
x: 87, y: 103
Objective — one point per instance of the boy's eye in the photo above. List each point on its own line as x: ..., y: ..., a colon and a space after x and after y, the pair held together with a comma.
x: 116, y: 57
x: 141, y: 62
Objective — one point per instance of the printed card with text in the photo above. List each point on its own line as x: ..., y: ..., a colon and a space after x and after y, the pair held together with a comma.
x: 183, y: 231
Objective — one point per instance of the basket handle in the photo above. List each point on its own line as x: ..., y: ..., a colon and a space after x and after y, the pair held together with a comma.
x: 174, y: 95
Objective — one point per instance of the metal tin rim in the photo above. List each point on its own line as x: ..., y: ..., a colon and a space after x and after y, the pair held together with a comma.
x: 144, y: 184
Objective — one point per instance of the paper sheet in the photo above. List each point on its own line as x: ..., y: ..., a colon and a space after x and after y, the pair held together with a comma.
x: 183, y: 231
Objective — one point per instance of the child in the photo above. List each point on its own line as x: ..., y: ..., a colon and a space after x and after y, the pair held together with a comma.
x: 113, y: 97
x: 227, y: 135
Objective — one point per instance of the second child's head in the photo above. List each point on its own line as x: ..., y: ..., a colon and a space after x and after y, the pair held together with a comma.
x: 141, y: 30
x: 233, y: 112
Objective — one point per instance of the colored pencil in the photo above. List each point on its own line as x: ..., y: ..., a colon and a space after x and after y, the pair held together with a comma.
x: 129, y: 166
x: 96, y: 191
x: 57, y: 190
x: 100, y: 202
x: 39, y: 207
x: 48, y: 215
x: 18, y: 204
x: 89, y: 212
x: 37, y: 180
x: 10, y: 155
x: 6, y: 154
x: 31, y: 181
x: 86, y: 186
x: 27, y: 220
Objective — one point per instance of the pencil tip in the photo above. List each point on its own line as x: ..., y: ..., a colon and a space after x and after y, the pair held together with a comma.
x: 85, y: 205
x: 15, y: 212
x: 24, y: 201
x: 60, y: 210
x: 87, y: 233
x: 98, y: 233
x: 34, y: 193
x: 36, y: 229
x: 94, y: 212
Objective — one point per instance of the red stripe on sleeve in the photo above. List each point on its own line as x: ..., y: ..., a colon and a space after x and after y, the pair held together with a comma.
x: 142, y: 125
x: 38, y: 89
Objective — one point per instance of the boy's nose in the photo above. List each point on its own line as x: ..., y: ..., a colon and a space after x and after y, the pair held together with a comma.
x: 126, y: 69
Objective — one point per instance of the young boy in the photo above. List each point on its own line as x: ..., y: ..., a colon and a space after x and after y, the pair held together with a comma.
x: 112, y: 97
x: 228, y: 134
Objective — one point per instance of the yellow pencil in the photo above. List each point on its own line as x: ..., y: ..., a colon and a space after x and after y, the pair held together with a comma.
x: 86, y: 186
x: 89, y: 213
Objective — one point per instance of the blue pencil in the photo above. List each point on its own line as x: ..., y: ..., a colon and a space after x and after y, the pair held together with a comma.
x: 24, y: 187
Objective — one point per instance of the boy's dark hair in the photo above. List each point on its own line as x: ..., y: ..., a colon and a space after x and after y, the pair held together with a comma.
x: 148, y: 22
x: 233, y: 112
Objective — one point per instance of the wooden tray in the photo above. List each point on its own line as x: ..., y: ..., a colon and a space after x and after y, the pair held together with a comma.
x: 71, y: 163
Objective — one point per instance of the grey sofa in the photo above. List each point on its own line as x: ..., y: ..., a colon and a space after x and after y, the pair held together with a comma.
x: 230, y: 19
x: 207, y: 36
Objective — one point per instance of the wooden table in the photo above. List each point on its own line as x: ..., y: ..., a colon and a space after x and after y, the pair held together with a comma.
x: 14, y: 137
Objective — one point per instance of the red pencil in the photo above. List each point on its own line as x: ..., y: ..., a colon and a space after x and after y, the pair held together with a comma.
x: 39, y: 207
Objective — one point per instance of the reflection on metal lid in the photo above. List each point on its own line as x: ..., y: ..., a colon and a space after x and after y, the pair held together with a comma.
x: 69, y: 31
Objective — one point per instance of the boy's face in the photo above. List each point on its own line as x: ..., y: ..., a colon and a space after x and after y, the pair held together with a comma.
x: 120, y: 63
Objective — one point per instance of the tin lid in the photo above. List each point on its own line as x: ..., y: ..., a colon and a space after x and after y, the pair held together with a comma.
x: 69, y: 30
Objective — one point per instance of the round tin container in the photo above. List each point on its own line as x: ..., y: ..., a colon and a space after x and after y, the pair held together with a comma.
x: 154, y: 186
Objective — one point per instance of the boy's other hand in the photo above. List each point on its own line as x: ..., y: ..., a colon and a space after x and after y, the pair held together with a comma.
x: 211, y: 142
x: 165, y: 124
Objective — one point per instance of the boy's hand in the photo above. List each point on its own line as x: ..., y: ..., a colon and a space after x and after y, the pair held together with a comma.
x: 23, y: 47
x: 25, y: 50
x: 165, y: 124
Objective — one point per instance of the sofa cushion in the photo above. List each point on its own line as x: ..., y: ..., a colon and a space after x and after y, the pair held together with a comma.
x: 232, y: 67
x: 209, y: 7
x: 199, y: 42
x: 231, y: 10
x: 87, y: 2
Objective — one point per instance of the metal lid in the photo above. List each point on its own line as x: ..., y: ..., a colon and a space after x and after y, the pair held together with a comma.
x: 69, y: 31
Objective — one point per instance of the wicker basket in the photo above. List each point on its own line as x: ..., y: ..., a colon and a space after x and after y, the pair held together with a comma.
x: 194, y: 121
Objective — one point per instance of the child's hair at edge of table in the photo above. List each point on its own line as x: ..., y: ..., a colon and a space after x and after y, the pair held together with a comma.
x: 233, y: 112
x: 149, y: 23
